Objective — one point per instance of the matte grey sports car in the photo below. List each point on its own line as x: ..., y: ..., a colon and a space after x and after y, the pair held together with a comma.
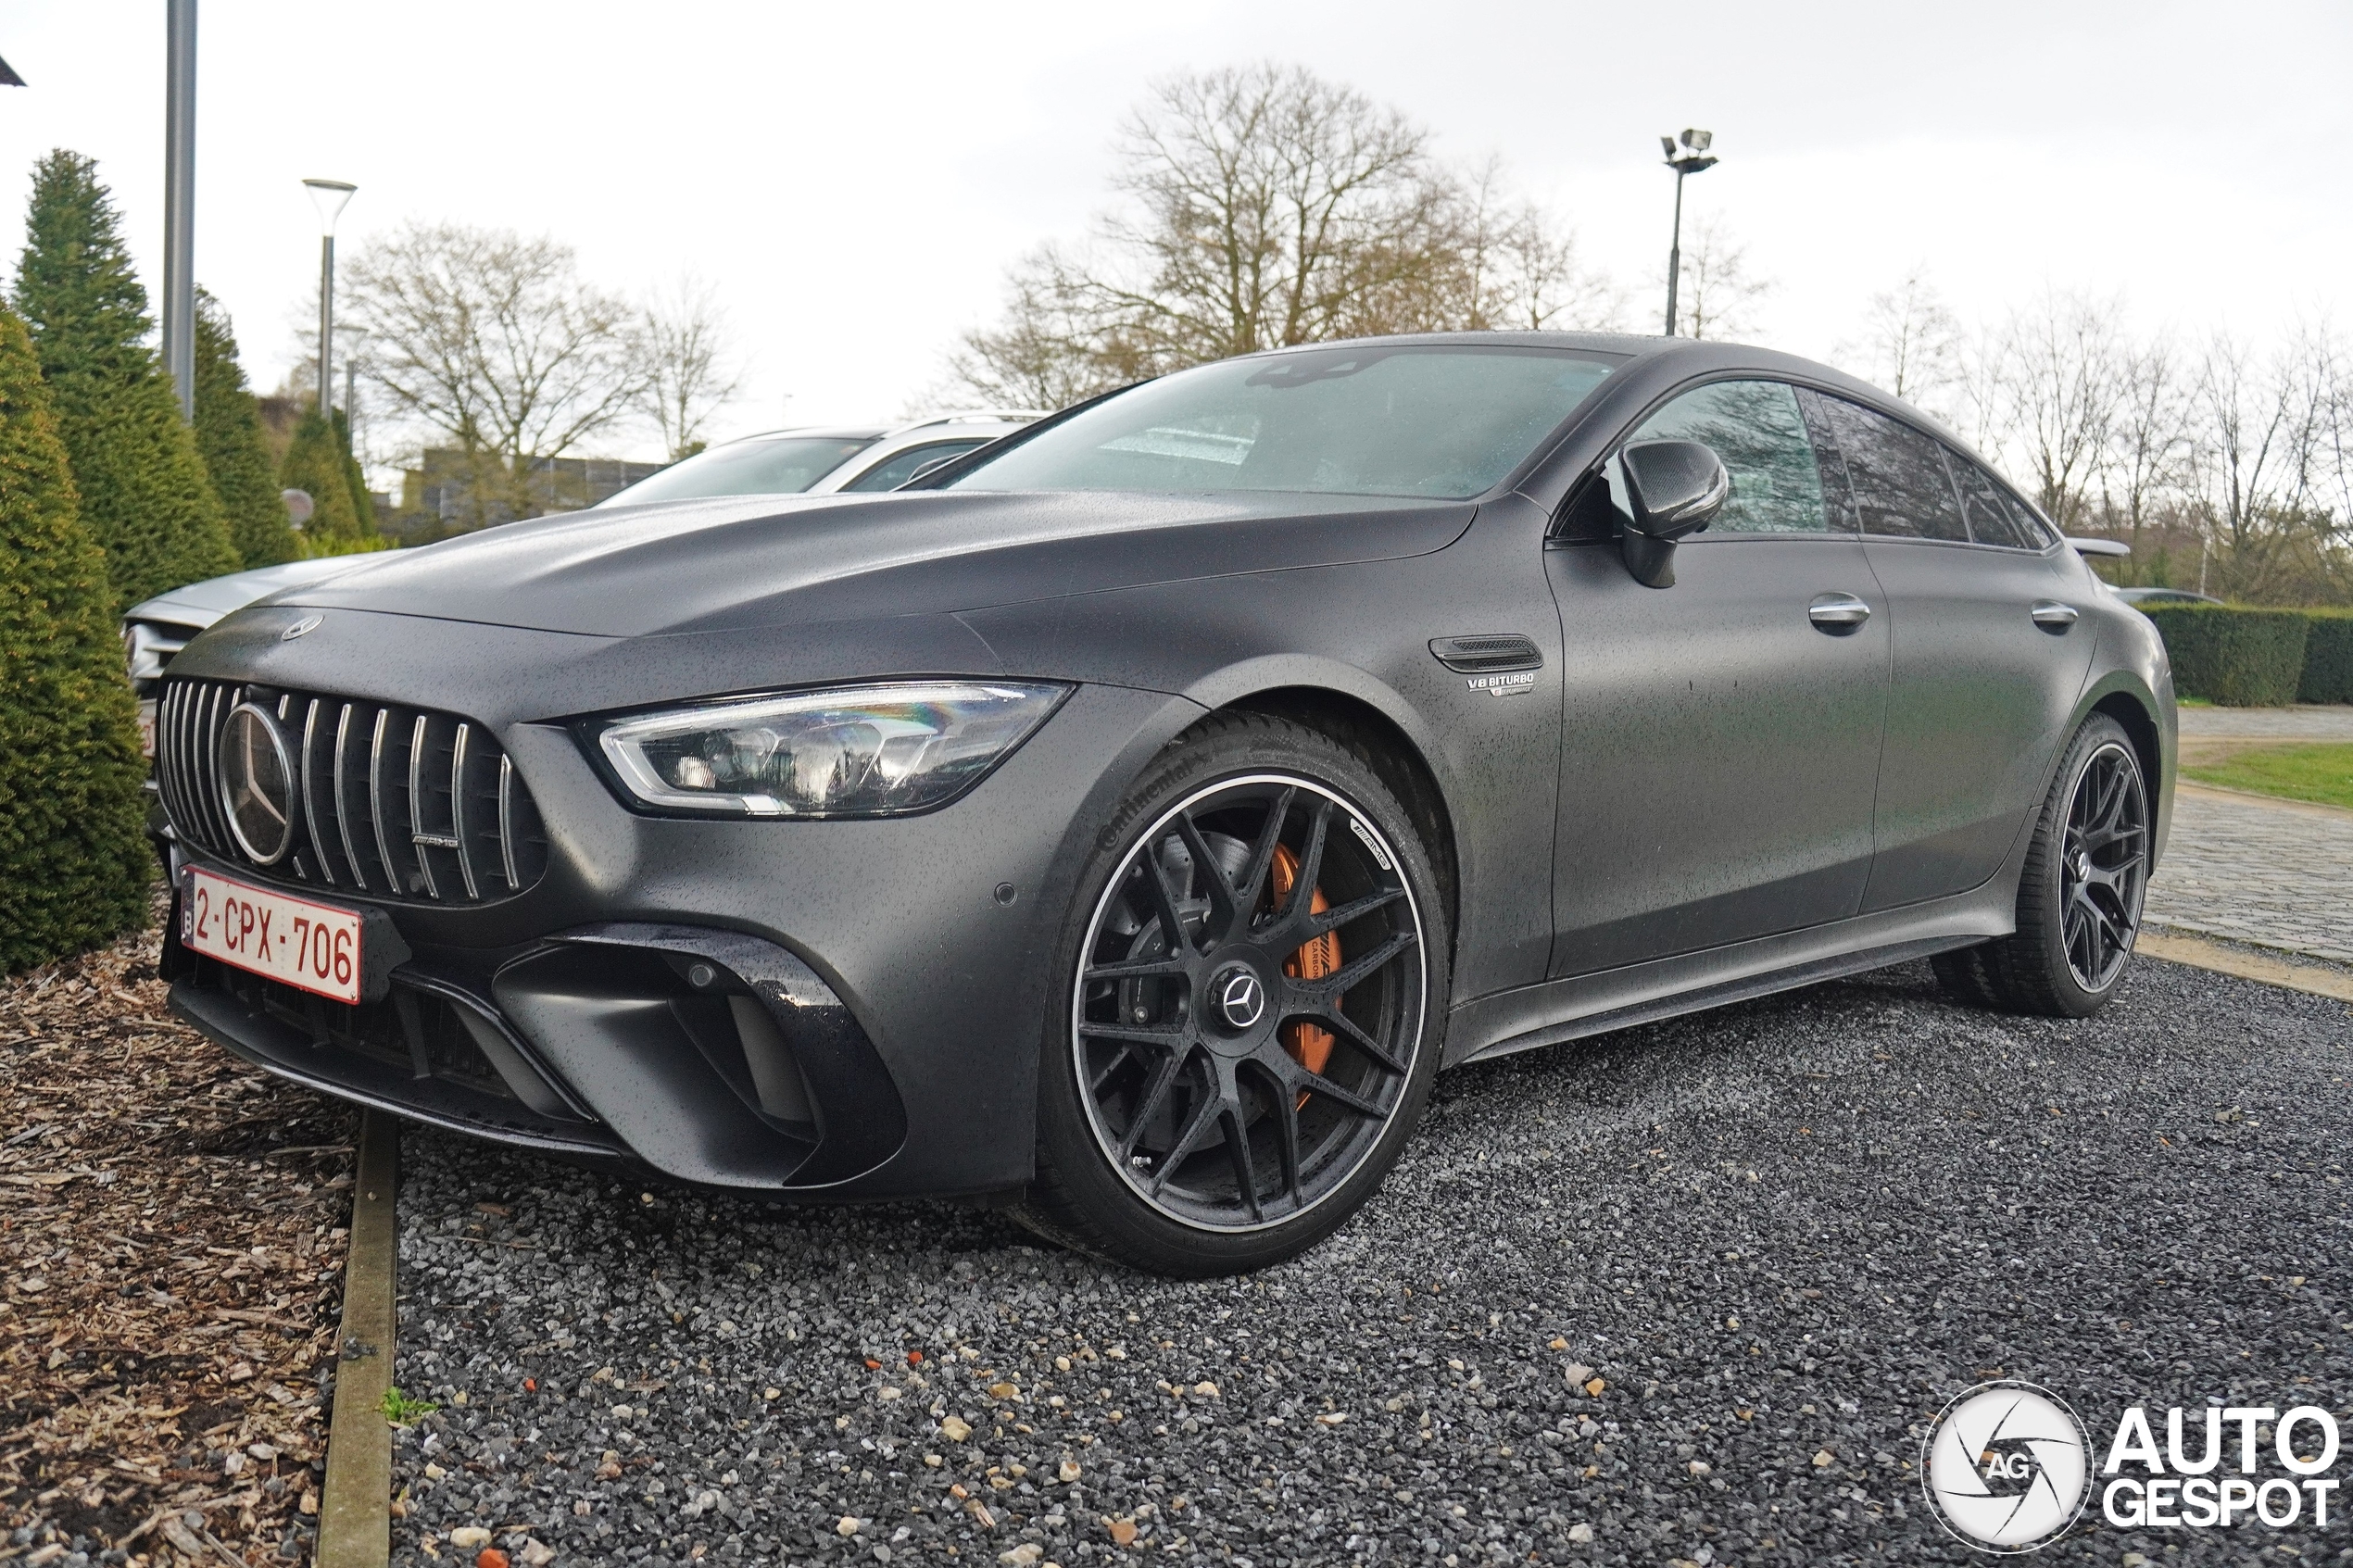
x: 1127, y: 822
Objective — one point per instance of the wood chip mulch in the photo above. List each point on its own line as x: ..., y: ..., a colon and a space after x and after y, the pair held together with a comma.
x: 172, y: 1250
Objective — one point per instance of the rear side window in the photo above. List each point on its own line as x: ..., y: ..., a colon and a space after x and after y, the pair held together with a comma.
x: 1896, y: 474
x: 2036, y: 532
x: 1991, y: 514
x: 1755, y: 428
x: 1995, y: 516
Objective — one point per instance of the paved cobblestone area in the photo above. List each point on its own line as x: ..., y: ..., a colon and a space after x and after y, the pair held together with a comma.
x: 2277, y: 874
x: 2332, y: 722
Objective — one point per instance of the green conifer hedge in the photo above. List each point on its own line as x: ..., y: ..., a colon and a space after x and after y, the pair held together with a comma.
x: 363, y: 504
x: 229, y: 435
x: 145, y: 495
x: 314, y: 464
x: 74, y: 861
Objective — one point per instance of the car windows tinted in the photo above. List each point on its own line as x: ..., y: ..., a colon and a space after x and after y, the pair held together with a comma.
x: 784, y: 466
x: 2037, y: 532
x: 901, y: 467
x: 1895, y: 473
x: 1755, y: 428
x: 1991, y: 519
x: 1440, y: 421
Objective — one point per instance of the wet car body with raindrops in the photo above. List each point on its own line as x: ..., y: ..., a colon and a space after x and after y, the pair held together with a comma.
x: 1130, y: 836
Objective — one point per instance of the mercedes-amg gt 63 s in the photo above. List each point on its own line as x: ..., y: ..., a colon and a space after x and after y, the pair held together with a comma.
x: 1126, y: 821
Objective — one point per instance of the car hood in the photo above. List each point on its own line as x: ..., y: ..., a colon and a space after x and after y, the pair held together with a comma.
x: 740, y: 562
x: 201, y: 604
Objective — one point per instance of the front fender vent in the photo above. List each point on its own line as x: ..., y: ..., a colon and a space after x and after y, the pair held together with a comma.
x: 1487, y: 653
x: 389, y: 803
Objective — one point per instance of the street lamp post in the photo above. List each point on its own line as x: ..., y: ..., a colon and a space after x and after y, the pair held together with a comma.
x: 1689, y: 158
x: 178, y: 202
x: 328, y: 196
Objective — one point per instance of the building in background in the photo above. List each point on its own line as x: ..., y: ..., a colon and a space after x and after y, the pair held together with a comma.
x: 439, y: 498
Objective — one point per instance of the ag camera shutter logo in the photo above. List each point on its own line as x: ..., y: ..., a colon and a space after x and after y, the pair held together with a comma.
x: 2006, y: 1467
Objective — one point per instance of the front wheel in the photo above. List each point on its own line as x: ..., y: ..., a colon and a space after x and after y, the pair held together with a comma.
x: 1252, y: 994
x: 2079, y: 902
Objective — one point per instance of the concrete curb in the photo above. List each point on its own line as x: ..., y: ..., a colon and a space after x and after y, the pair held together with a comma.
x: 354, y: 1515
x: 2198, y: 953
x: 2223, y: 794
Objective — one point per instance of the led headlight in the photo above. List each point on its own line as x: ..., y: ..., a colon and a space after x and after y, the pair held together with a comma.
x: 855, y: 751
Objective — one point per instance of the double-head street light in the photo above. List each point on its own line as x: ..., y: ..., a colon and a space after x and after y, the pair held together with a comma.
x: 328, y: 196
x: 1688, y: 158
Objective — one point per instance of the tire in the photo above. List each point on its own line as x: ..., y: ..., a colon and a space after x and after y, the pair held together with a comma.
x: 2078, y: 900
x: 1255, y: 852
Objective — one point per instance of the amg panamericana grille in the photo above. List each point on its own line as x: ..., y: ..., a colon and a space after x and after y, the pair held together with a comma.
x: 388, y: 802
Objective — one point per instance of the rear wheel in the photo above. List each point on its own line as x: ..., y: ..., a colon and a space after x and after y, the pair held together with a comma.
x: 2079, y: 902
x: 1252, y: 999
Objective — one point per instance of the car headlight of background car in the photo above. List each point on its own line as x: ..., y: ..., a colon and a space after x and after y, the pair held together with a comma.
x: 874, y: 751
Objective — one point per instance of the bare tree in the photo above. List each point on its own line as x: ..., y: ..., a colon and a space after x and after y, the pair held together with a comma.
x: 492, y: 342
x: 1911, y: 344
x: 1056, y: 345
x: 1718, y: 295
x: 2148, y: 438
x: 686, y: 374
x: 1516, y: 268
x: 2270, y: 463
x: 1262, y: 208
x: 2057, y: 372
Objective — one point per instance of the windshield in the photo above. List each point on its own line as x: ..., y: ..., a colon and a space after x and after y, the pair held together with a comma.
x: 775, y: 466
x: 1444, y: 420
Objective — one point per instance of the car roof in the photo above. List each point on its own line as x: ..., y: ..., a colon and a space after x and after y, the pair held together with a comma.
x: 1698, y: 354
x: 1671, y: 359
x: 943, y: 423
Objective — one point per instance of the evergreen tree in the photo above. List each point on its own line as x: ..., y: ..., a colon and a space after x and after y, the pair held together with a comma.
x: 229, y: 435
x: 145, y: 495
x: 315, y: 465
x: 363, y: 506
x: 74, y: 857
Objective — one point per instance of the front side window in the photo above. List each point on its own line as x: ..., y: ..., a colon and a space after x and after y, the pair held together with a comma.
x: 1896, y: 474
x: 1755, y: 428
x: 901, y: 467
x: 777, y: 466
x: 1442, y: 421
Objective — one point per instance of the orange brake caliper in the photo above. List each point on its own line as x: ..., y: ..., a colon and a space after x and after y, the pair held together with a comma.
x: 1311, y: 1047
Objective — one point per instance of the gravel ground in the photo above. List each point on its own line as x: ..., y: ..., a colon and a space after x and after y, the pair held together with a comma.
x: 1765, y: 1244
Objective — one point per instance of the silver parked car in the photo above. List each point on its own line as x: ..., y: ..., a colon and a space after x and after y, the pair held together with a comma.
x: 825, y: 461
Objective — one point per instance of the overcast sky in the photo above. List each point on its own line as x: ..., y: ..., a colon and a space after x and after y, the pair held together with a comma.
x: 854, y: 178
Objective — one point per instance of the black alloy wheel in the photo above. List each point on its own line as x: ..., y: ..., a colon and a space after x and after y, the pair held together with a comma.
x: 2079, y: 901
x: 1249, y: 1033
x: 2104, y: 866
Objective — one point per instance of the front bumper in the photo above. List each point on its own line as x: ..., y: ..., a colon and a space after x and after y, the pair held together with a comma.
x: 710, y: 1057
x: 871, y: 1018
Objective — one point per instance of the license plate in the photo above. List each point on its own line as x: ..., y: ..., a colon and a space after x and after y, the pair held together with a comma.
x: 314, y: 947
x: 147, y: 728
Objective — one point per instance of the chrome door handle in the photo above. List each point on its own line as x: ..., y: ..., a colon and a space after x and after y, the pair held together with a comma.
x: 1839, y: 614
x: 2053, y: 616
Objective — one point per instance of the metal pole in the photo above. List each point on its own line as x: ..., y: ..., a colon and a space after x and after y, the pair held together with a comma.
x: 179, y: 202
x: 326, y: 323
x: 1675, y: 254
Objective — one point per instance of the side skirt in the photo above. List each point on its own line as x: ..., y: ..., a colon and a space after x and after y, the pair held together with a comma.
x: 1580, y: 1005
